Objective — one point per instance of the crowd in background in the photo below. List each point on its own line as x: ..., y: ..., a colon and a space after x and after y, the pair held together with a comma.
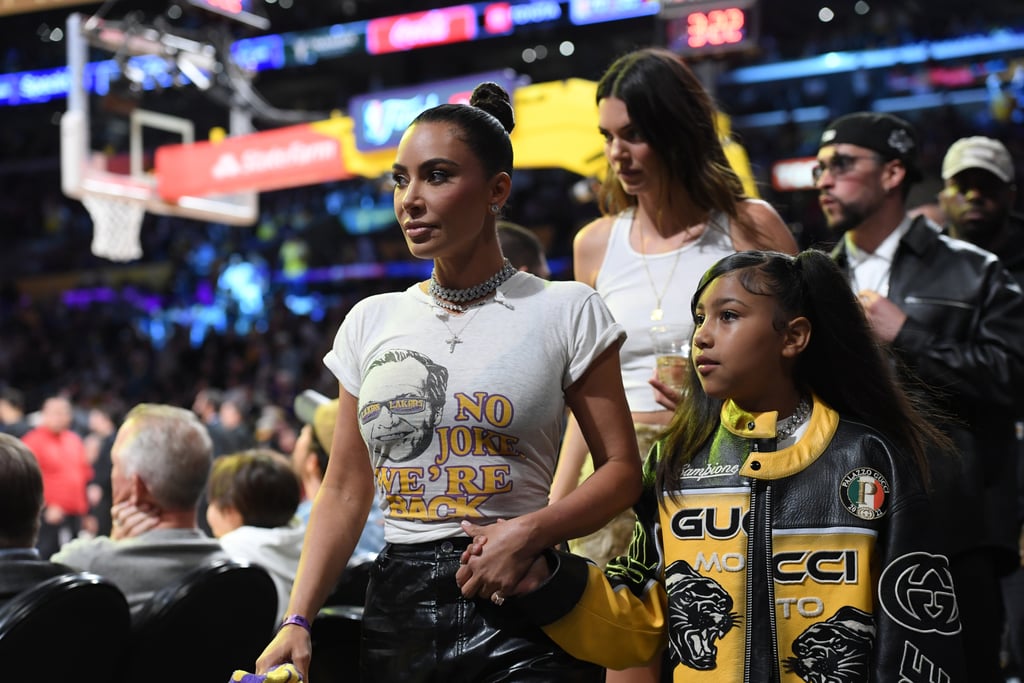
x: 233, y: 323
x: 98, y: 344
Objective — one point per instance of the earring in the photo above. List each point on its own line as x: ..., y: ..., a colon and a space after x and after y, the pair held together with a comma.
x: 495, y: 209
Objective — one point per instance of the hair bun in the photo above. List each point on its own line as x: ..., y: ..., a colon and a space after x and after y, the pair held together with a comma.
x: 493, y: 99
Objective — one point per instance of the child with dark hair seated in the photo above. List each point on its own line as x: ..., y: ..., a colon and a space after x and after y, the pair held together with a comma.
x: 253, y: 497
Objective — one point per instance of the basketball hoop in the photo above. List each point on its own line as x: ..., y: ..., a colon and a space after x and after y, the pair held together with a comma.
x: 116, y: 224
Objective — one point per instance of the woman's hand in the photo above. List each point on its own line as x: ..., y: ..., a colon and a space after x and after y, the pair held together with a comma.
x: 536, y: 575
x: 664, y: 395
x: 502, y: 566
x: 291, y: 644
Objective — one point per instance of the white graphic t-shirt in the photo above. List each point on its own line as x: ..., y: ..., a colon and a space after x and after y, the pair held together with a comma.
x: 467, y: 429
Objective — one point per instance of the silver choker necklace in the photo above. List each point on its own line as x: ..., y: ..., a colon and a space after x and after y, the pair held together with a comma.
x: 455, y: 299
x: 786, y: 427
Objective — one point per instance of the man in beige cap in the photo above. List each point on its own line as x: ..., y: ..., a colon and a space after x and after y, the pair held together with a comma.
x: 979, y: 196
x: 309, y: 460
x: 978, y: 201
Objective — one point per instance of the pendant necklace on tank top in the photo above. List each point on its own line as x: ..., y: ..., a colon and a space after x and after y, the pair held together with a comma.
x: 657, y: 314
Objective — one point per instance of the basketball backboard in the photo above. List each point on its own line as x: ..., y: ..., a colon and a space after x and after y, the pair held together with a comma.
x: 120, y: 109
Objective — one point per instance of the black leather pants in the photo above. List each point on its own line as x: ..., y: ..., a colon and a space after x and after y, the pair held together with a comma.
x: 418, y: 627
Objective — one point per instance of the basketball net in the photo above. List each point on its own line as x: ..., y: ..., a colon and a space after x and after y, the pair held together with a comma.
x: 116, y: 224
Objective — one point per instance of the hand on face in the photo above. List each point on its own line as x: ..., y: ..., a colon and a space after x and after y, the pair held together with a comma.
x: 130, y: 519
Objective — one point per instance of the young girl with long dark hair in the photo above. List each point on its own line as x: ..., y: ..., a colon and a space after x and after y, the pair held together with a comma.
x: 784, y: 533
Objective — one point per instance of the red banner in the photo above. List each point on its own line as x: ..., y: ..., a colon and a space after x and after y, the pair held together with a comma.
x: 273, y: 160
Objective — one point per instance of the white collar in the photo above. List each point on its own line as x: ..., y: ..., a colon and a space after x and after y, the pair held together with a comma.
x: 886, y: 251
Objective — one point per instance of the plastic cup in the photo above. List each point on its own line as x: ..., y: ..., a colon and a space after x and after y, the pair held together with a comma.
x: 672, y: 353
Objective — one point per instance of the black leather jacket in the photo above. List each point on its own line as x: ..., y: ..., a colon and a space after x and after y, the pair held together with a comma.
x: 964, y: 339
x: 817, y: 562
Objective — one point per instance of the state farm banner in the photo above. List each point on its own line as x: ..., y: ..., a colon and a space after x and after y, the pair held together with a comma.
x: 305, y: 154
x: 555, y: 128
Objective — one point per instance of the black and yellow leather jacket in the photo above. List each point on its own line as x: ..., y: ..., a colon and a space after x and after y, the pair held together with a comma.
x: 816, y: 562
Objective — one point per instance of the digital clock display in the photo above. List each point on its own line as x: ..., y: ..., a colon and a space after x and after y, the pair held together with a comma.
x: 696, y: 28
x: 717, y: 27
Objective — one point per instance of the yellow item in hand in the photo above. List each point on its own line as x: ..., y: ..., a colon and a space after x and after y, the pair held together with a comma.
x: 285, y: 673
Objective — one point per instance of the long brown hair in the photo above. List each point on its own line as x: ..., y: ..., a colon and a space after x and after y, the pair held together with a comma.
x: 672, y: 111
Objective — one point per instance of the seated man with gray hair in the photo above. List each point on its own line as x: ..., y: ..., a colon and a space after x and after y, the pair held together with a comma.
x: 161, y: 461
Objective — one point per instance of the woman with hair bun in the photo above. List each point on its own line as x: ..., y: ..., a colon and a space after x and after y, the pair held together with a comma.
x: 452, y: 395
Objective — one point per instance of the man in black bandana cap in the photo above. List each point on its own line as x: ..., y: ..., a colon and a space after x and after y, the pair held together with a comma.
x: 953, y: 319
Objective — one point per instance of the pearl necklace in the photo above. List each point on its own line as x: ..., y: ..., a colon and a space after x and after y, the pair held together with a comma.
x: 454, y: 299
x: 785, y: 428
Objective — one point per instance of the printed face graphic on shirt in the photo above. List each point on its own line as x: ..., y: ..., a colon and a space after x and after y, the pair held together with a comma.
x: 400, y: 404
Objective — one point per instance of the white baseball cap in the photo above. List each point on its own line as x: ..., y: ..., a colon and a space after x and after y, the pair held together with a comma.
x: 978, y: 152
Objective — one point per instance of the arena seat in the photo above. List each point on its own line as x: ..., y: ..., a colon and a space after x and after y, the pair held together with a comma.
x: 216, y: 619
x: 337, y: 631
x: 72, y: 627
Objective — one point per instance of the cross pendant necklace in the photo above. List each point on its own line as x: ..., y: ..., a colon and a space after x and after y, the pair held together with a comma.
x: 444, y: 315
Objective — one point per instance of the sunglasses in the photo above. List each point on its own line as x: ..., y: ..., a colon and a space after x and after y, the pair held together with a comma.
x: 410, y: 405
x: 838, y: 164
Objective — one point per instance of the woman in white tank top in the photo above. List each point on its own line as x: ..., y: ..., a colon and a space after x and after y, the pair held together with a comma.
x: 671, y: 207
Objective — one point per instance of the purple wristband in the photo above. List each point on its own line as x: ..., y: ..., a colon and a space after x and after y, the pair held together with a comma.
x: 298, y: 620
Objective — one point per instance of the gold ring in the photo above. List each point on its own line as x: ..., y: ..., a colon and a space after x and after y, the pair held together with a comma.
x: 497, y: 598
